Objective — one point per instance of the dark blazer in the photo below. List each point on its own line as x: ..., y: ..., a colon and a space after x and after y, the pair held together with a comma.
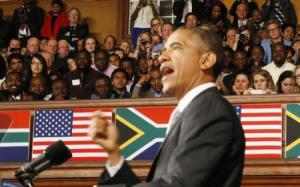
x: 205, y: 147
x: 178, y: 6
x: 72, y: 36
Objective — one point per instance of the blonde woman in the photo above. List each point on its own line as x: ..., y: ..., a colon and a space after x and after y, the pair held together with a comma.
x: 262, y: 83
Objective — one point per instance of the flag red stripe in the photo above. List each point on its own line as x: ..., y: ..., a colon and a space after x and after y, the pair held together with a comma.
x: 261, y: 114
x: 74, y: 134
x: 262, y: 147
x: 261, y: 122
x: 88, y: 118
x: 263, y: 156
x: 66, y: 142
x: 263, y: 139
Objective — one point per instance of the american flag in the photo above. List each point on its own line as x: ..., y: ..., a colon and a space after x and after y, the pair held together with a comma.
x: 70, y: 126
x: 262, y: 125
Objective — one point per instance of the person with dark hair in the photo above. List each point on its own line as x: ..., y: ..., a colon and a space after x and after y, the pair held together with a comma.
x: 75, y: 30
x: 182, y: 7
x: 288, y: 32
x: 103, y: 88
x: 102, y: 62
x: 256, y: 58
x: 128, y: 64
x: 241, y: 82
x: 81, y: 81
x: 109, y: 43
x: 191, y: 20
x: 39, y: 88
x: 56, y: 19
x: 27, y: 21
x: 15, y: 62
x: 119, y: 79
x: 59, y: 90
x: 14, y: 89
x: 286, y: 83
x: 4, y: 31
x: 202, y: 124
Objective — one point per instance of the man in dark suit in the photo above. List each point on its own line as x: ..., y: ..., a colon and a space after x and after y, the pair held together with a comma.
x: 182, y: 7
x: 205, y: 141
x: 74, y: 31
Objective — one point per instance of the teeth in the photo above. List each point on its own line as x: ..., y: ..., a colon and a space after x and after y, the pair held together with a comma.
x: 166, y: 71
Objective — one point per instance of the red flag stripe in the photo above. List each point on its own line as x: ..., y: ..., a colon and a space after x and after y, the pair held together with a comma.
x: 259, y: 106
x: 261, y: 115
x: 262, y: 147
x: 261, y: 122
x: 262, y: 131
x: 259, y: 156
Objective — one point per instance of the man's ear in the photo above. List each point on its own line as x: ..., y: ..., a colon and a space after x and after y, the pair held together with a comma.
x: 207, y: 60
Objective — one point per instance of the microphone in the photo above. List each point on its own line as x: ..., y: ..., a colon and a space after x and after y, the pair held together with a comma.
x: 55, y: 154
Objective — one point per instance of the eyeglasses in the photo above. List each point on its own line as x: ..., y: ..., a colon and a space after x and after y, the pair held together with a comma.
x: 272, y: 29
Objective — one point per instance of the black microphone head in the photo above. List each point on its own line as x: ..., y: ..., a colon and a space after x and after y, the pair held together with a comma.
x: 58, y: 153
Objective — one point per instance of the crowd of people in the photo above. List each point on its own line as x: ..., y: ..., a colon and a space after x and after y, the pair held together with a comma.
x: 53, y: 56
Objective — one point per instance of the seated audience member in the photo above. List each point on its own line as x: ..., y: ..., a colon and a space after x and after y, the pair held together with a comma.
x: 241, y: 83
x: 217, y: 19
x: 143, y: 45
x: 14, y: 46
x: 290, y: 54
x: 103, y: 88
x: 4, y: 31
x: 241, y: 15
x: 296, y: 47
x: 74, y: 31
x: 256, y: 58
x: 166, y: 30
x: 119, y: 79
x: 226, y: 69
x: 60, y: 63
x: 15, y: 62
x: 90, y: 45
x: 231, y: 39
x: 141, y: 13
x: 279, y: 63
x: 191, y: 20
x: 143, y: 66
x: 182, y: 8
x: 156, y: 26
x: 256, y: 21
x: 71, y: 63
x: 38, y: 88
x: 286, y: 83
x: 49, y: 60
x: 281, y: 10
x: 109, y: 43
x: 13, y: 84
x: 297, y: 79
x: 119, y: 52
x: 32, y: 49
x: 128, y: 64
x: 114, y: 60
x: 288, y: 32
x: 43, y: 44
x: 81, y: 81
x: 154, y: 79
x: 126, y: 46
x: 79, y: 45
x: 27, y: 21
x: 262, y: 83
x: 59, y: 90
x: 52, y: 46
x: 156, y: 39
x: 274, y: 31
x: 56, y: 19
x: 102, y: 62
x: 252, y: 5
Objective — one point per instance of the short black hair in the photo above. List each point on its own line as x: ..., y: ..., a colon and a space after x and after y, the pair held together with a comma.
x: 118, y: 70
x: 14, y: 56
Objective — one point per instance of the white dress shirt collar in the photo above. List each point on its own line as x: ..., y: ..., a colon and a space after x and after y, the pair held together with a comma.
x: 188, y: 97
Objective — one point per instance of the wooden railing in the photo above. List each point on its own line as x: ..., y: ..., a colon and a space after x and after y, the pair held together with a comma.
x: 257, y: 172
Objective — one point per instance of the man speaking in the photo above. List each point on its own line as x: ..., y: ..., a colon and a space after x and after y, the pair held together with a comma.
x: 205, y: 143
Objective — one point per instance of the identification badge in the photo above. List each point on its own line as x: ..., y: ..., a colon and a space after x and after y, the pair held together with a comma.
x: 76, y: 82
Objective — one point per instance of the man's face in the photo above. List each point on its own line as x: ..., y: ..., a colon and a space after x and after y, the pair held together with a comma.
x: 74, y: 16
x: 240, y: 60
x: 257, y: 55
x: 55, y: 8
x: 13, y: 83
x: 16, y: 65
x: 128, y: 68
x: 143, y: 66
x: 228, y: 56
x: 216, y: 11
x: 37, y: 87
x: 178, y: 61
x: 33, y: 46
x: 119, y: 81
x: 274, y: 31
x: 59, y: 90
x: 83, y: 61
x: 191, y: 21
x: 102, y: 88
x: 101, y: 62
x: 52, y: 46
x: 279, y: 55
x: 14, y: 44
x: 63, y: 49
x: 241, y: 11
x: 109, y: 44
x: 166, y: 31
x: 155, y: 81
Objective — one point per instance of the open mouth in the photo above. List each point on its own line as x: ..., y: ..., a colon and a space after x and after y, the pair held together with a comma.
x: 166, y: 71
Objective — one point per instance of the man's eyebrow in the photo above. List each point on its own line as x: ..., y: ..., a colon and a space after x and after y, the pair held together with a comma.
x: 175, y: 43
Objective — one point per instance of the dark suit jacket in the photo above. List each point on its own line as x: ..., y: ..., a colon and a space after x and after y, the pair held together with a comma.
x: 205, y: 147
x: 72, y: 36
x: 178, y: 6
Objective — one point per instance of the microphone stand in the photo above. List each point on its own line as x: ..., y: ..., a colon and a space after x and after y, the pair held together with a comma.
x: 26, y: 178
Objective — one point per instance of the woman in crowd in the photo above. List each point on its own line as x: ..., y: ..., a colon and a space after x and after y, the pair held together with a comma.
x: 90, y: 45
x: 286, y: 82
x: 288, y: 32
x: 262, y: 83
x: 297, y: 79
x: 241, y: 83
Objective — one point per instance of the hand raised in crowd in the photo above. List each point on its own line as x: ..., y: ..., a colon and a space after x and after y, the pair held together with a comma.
x: 106, y: 135
x: 143, y: 78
